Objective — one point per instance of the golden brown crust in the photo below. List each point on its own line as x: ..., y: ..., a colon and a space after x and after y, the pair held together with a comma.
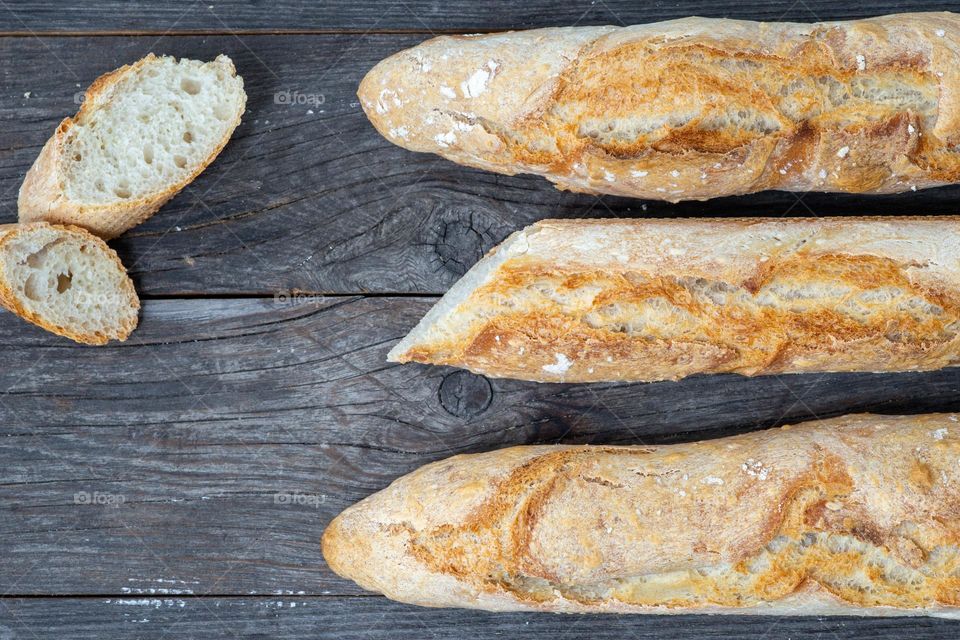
x: 850, y: 515
x: 688, y: 109
x: 591, y: 300
x: 42, y: 195
x: 11, y: 299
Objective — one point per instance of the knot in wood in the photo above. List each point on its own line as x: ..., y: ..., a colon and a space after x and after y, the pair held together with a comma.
x: 459, y: 244
x: 464, y: 394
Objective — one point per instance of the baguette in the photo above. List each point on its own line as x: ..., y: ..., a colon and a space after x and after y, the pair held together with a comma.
x: 643, y: 300
x: 688, y: 109
x: 67, y: 281
x: 143, y: 133
x: 856, y: 515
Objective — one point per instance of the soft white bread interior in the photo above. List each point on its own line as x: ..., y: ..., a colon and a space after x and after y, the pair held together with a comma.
x: 67, y: 281
x: 143, y: 133
x: 640, y: 300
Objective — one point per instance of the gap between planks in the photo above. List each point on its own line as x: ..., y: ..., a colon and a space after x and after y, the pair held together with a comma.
x: 268, y: 295
x: 243, y: 32
x: 192, y: 596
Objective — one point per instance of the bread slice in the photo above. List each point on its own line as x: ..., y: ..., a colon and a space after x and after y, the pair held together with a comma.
x: 642, y: 300
x: 66, y: 280
x: 144, y: 132
x: 849, y: 516
x: 687, y: 109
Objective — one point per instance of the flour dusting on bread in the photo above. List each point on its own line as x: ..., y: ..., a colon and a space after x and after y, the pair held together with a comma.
x: 598, y: 300
x: 689, y: 109
x: 850, y: 516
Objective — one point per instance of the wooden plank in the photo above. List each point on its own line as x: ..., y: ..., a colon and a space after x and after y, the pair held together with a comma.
x: 319, y: 201
x: 291, y: 616
x: 50, y: 16
x: 214, y: 446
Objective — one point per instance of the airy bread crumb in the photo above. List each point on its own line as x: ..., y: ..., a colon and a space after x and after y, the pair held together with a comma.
x: 67, y: 281
x: 144, y: 132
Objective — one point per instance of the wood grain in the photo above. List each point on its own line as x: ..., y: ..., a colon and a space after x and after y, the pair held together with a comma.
x: 290, y: 616
x: 320, y: 202
x: 176, y: 485
x: 216, y: 444
x: 50, y: 16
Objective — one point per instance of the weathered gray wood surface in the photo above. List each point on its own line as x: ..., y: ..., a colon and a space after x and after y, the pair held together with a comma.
x: 177, y: 16
x: 286, y: 616
x: 320, y: 202
x: 214, y: 446
x: 176, y: 485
